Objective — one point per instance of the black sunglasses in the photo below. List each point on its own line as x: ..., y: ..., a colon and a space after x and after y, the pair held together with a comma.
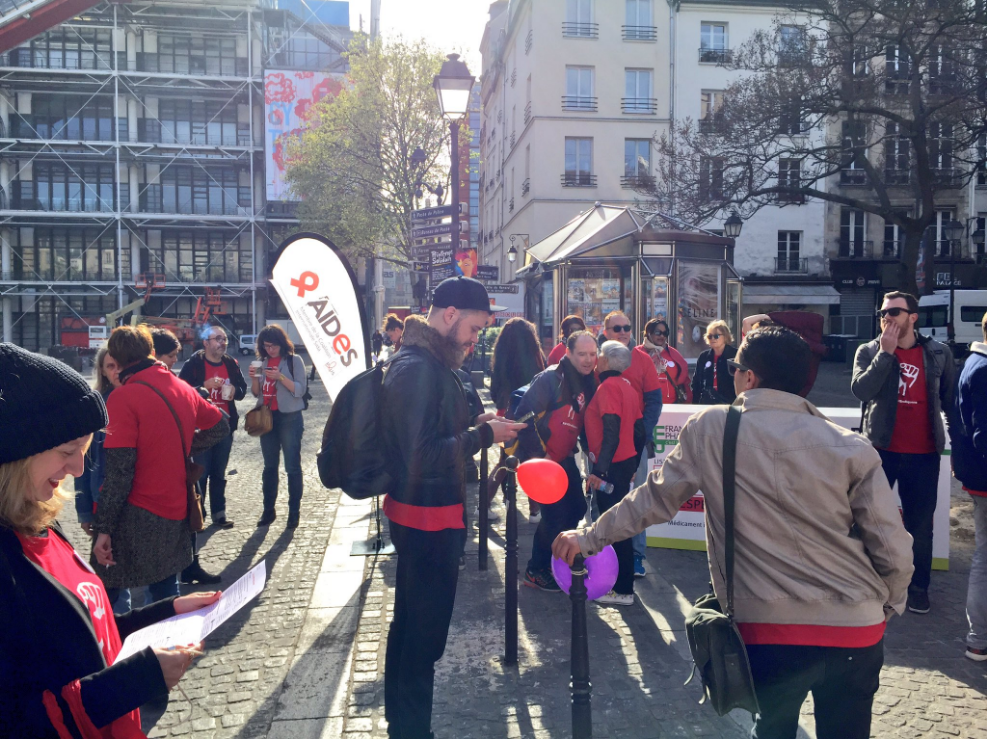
x: 893, y: 312
x: 734, y: 367
x: 714, y: 337
x: 618, y: 329
x: 659, y: 333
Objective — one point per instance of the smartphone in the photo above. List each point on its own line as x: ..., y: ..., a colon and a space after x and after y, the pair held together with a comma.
x: 525, y: 418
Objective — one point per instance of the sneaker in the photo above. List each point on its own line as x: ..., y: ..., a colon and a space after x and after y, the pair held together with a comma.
x: 918, y: 602
x: 492, y: 515
x: 639, y: 567
x: 267, y: 518
x: 541, y: 581
x: 977, y: 655
x: 616, y: 599
x: 462, y: 563
x: 536, y: 518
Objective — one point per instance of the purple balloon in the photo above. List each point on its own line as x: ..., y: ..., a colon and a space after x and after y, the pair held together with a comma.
x: 601, y: 573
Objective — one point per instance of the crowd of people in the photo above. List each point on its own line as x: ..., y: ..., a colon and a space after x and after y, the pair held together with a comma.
x: 820, y: 569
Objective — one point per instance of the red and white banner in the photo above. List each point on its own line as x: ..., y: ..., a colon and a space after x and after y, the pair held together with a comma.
x: 318, y: 288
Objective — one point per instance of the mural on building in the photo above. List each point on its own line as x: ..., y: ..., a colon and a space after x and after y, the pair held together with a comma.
x: 289, y: 99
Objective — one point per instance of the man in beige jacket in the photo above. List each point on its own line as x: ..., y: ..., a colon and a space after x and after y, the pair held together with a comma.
x: 822, y: 559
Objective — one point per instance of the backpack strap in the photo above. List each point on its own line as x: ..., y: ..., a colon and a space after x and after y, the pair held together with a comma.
x: 730, y: 433
x: 178, y: 421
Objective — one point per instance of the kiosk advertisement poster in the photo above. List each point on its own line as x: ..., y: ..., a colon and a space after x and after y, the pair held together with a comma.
x: 698, y: 304
x: 688, y: 529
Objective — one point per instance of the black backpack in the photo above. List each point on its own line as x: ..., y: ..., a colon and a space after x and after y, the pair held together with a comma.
x: 307, y: 395
x: 352, y: 456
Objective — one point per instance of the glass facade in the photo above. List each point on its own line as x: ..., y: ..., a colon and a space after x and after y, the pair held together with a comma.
x: 196, y: 190
x: 200, y: 256
x: 67, y: 254
x: 63, y: 187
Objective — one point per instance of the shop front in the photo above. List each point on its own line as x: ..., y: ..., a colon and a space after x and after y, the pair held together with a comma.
x: 609, y: 259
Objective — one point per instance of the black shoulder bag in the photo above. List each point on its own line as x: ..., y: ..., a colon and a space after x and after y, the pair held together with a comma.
x: 717, y: 647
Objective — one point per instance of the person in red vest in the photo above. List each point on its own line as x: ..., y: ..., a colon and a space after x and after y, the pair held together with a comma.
x: 570, y: 324
x: 673, y: 370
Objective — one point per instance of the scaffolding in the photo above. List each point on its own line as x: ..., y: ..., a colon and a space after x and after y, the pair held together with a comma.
x: 185, y: 145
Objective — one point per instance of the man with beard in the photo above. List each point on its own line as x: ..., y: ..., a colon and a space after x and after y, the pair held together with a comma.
x: 558, y: 398
x: 427, y: 436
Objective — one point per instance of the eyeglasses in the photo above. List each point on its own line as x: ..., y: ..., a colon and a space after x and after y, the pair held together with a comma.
x: 220, y: 340
x: 713, y: 337
x: 618, y: 329
x: 659, y: 333
x: 893, y: 312
x: 734, y: 367
x: 270, y: 346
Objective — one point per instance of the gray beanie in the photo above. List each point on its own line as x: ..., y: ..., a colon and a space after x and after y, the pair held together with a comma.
x: 43, y: 403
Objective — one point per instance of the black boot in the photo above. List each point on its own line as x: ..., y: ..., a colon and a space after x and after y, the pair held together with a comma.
x: 195, y: 574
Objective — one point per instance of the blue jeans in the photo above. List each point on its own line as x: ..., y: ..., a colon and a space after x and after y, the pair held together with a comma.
x: 917, y: 476
x: 976, y: 595
x: 284, y: 438
x: 215, y: 460
x: 120, y: 597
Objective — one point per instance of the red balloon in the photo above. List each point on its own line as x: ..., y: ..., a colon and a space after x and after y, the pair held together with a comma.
x: 543, y: 480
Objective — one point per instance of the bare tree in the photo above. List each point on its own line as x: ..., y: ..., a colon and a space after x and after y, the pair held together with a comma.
x: 875, y: 105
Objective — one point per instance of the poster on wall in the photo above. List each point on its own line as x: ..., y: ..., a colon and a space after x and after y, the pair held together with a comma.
x: 466, y: 262
x: 698, y: 304
x: 289, y: 100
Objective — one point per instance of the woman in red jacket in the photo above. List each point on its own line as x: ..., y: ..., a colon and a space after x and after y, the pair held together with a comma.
x: 570, y: 324
x: 673, y: 371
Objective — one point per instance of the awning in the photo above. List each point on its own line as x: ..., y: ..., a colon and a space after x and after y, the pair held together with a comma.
x: 790, y: 294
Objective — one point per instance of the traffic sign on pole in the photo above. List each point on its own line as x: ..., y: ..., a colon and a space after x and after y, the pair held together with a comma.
x: 425, y: 232
x: 426, y: 214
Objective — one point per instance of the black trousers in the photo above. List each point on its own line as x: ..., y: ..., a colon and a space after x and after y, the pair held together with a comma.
x: 842, y: 682
x: 918, y: 488
x: 424, y: 595
x: 621, y: 474
x: 558, y: 517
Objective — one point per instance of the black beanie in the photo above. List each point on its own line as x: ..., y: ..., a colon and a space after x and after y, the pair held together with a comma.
x: 43, y: 403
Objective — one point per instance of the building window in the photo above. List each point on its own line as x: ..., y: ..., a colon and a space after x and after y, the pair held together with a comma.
x: 710, y: 179
x: 791, y: 121
x: 639, y: 22
x: 897, y: 156
x: 59, y: 118
x: 789, y: 259
x: 197, y: 191
x: 892, y: 239
x: 792, y: 45
x: 68, y: 254
x: 897, y: 70
x: 579, y: 163
x: 196, y: 122
x: 58, y: 187
x: 199, y: 55
x: 982, y: 160
x: 578, y: 89
x: 853, y: 154
x: 852, y: 232
x: 68, y: 47
x: 790, y: 176
x: 943, y: 245
x: 941, y: 149
x: 637, y: 92
x: 710, y: 104
x: 714, y: 47
x: 202, y: 256
x: 637, y: 163
x: 579, y: 20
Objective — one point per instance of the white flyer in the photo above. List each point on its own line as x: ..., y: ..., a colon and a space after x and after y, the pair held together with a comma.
x: 192, y: 628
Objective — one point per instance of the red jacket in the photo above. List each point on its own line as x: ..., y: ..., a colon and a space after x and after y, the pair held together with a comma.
x: 675, y: 373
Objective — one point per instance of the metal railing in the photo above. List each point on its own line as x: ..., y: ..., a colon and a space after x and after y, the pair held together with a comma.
x: 848, y: 249
x: 792, y: 57
x: 796, y: 198
x: 639, y: 105
x: 527, y: 112
x: 635, y: 182
x: 513, y: 139
x: 711, y: 124
x: 579, y: 102
x: 578, y: 179
x: 853, y: 177
x: 581, y: 30
x: 528, y: 40
x: 892, y: 249
x: 791, y: 265
x: 897, y: 176
x: 639, y: 33
x: 510, y: 206
x: 526, y: 186
x: 715, y: 56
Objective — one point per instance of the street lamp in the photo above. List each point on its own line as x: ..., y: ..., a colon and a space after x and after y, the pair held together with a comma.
x: 453, y: 87
x: 512, y: 254
x: 953, y: 231
x: 733, y: 225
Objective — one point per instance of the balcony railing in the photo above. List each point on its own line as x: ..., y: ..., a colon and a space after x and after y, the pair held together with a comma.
x: 528, y: 41
x: 892, y: 249
x: 152, y: 131
x: 791, y: 265
x: 853, y: 249
x: 192, y: 65
x: 796, y: 198
x: 513, y: 76
x: 897, y: 176
x: 510, y: 206
x: 946, y: 177
x: 711, y: 124
x: 581, y: 30
x: 578, y: 102
x: 792, y: 57
x: 715, y: 56
x: 527, y: 113
x: 945, y: 247
x: 853, y: 177
x: 639, y: 33
x: 526, y: 186
x: 513, y: 139
x: 578, y: 179
x: 647, y: 106
x: 637, y: 182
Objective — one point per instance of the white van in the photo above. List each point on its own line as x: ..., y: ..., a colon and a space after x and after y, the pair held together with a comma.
x: 934, y: 317
x: 248, y: 344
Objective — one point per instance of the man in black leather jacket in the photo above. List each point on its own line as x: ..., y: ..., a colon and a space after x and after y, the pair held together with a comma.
x: 427, y: 436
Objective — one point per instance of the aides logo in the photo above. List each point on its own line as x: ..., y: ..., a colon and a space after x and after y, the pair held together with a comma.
x: 325, y: 316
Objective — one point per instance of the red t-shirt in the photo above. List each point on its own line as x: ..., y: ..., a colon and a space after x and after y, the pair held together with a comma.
x: 270, y: 388
x: 912, y: 427
x: 140, y: 420
x: 57, y: 557
x: 811, y: 635
x: 216, y: 395
x: 642, y: 373
x: 555, y: 356
x: 615, y: 396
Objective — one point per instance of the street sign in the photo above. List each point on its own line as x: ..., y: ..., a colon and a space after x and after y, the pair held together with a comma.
x: 421, y: 253
x: 488, y: 272
x: 434, y: 241
x: 425, y: 214
x: 425, y: 232
x: 439, y: 272
x: 420, y: 266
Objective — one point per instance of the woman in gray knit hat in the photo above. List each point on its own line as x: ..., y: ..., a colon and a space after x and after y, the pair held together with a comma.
x: 59, y: 639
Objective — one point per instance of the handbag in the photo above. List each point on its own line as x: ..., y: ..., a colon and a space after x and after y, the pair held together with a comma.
x: 258, y: 421
x: 717, y: 647
x: 193, y: 471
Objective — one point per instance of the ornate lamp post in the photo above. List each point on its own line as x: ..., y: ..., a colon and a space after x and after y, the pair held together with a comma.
x: 453, y: 86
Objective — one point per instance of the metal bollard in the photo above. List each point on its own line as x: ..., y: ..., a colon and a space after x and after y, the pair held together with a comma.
x: 582, y: 716
x: 510, y: 565
x: 483, y: 502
